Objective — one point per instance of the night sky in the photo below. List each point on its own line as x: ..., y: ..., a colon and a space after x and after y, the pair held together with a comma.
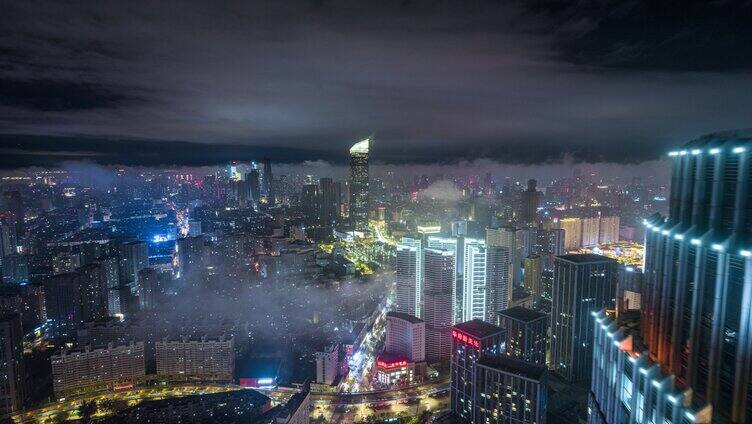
x: 197, y: 83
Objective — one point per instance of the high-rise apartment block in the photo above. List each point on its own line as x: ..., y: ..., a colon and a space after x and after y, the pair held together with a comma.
x: 408, y: 276
x: 405, y: 336
x: 90, y: 369
x: 193, y: 358
x: 439, y: 280
x: 12, y: 369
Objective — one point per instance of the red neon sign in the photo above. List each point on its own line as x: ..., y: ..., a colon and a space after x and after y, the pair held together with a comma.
x: 464, y: 338
x: 390, y: 365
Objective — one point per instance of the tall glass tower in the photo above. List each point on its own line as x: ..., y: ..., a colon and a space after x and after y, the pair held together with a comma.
x: 359, y: 200
x: 697, y: 315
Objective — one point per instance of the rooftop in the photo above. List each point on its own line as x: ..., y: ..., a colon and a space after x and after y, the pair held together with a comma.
x: 585, y: 258
x: 392, y: 358
x: 478, y: 329
x: 361, y: 146
x: 403, y: 316
x: 523, y: 314
x: 513, y: 366
x: 719, y: 139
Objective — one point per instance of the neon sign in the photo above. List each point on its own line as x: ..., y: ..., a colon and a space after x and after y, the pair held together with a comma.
x: 464, y: 338
x: 390, y: 365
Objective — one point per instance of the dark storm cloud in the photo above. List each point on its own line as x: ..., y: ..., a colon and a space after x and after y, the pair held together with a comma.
x: 46, y: 95
x: 675, y: 36
x: 438, y: 81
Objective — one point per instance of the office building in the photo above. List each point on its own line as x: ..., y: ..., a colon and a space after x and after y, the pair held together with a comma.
x: 471, y: 342
x: 629, y: 286
x: 8, y: 240
x: 628, y: 387
x: 582, y: 284
x: 12, y: 370
x: 696, y: 294
x: 91, y: 369
x: 526, y: 333
x: 271, y: 196
x: 149, y: 290
x: 327, y: 368
x: 408, y: 275
x: 359, y: 185
x: 309, y: 204
x: 439, y: 274
x: 254, y: 186
x: 207, y: 359
x: 530, y: 199
x: 330, y: 202
x: 134, y: 256
x: 508, y: 390
x: 191, y: 254
x: 405, y: 336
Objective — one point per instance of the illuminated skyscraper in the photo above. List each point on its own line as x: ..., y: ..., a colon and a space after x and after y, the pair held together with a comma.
x: 471, y: 342
x: 252, y: 179
x: 697, y: 321
x: 454, y: 247
x: 309, y: 203
x: 359, y: 197
x: 269, y: 183
x: 583, y: 284
x: 474, y: 280
x: 526, y: 331
x: 507, y: 237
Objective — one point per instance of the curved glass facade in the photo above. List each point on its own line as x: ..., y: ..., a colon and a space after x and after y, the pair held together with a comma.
x: 698, y: 293
x: 359, y: 181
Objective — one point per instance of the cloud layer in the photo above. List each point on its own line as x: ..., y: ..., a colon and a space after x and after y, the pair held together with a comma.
x: 528, y: 82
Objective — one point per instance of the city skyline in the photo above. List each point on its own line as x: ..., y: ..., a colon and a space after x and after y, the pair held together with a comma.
x: 359, y: 212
